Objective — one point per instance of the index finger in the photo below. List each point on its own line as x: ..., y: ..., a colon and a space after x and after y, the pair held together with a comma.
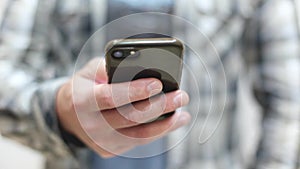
x: 110, y: 96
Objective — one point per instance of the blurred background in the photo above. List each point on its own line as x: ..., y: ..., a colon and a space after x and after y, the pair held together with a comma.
x: 256, y: 41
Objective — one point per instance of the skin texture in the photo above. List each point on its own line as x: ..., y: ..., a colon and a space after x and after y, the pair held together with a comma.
x: 111, y: 118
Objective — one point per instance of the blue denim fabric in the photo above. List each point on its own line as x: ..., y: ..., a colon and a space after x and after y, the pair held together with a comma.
x: 120, y: 162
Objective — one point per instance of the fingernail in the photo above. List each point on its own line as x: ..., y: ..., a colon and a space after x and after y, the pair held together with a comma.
x: 154, y: 87
x: 181, y: 99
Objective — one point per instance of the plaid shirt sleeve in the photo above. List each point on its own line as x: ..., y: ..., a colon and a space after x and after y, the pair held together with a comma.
x: 277, y: 84
x: 28, y: 87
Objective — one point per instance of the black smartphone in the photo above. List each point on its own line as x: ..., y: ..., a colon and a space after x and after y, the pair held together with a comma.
x: 131, y: 59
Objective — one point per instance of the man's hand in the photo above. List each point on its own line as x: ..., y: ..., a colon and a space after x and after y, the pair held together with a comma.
x: 110, y: 118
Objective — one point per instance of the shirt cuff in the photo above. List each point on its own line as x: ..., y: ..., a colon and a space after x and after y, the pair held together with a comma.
x: 48, y: 106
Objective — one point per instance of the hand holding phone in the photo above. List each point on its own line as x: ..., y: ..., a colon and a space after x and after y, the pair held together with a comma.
x: 88, y: 108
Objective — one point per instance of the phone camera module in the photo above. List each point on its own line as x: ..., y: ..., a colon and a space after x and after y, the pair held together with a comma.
x: 134, y: 53
x: 118, y: 54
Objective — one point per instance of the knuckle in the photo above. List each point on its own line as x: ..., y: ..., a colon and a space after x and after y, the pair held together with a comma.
x: 141, y: 114
x: 141, y: 133
x: 105, y: 98
x: 157, y: 108
x: 129, y: 120
x: 170, y: 107
x: 125, y: 119
x: 134, y: 116
x: 138, y: 90
x: 107, y: 101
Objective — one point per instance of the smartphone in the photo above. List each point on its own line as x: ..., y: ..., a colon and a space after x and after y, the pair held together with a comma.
x: 135, y: 58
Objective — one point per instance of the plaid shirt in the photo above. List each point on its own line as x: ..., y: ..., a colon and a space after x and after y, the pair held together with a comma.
x: 258, y: 42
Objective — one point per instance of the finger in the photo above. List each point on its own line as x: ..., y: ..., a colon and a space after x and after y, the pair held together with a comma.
x: 95, y: 70
x: 148, y: 132
x: 109, y: 96
x: 144, y: 111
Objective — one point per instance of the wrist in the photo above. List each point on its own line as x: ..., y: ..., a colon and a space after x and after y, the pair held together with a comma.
x: 64, y: 108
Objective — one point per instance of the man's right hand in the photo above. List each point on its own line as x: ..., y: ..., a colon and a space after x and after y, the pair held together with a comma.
x: 110, y: 118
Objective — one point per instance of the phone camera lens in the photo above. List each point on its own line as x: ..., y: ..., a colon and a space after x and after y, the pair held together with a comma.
x: 118, y: 54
